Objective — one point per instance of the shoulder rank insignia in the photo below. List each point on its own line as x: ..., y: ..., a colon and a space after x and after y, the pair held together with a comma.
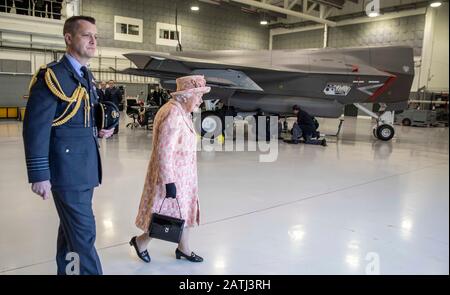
x: 34, y: 78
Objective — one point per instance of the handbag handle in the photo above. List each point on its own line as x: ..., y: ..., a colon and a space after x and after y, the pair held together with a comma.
x: 179, y: 209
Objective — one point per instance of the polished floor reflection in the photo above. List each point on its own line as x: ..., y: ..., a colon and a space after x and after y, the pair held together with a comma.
x: 358, y: 206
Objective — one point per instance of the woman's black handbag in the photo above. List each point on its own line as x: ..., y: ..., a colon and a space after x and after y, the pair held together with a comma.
x: 165, y: 227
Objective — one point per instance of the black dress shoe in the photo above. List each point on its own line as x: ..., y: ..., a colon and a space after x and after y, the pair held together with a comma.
x: 144, y: 254
x: 192, y: 258
x: 292, y: 141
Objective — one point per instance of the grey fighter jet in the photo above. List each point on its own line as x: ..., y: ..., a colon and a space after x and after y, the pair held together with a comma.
x: 321, y: 81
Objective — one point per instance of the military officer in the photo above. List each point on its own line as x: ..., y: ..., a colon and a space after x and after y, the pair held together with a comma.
x: 61, y: 147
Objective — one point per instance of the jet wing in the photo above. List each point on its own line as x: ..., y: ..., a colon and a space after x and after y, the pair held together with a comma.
x: 185, y: 65
x: 220, y: 75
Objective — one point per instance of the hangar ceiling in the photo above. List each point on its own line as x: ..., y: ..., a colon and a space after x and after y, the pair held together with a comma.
x: 287, y: 12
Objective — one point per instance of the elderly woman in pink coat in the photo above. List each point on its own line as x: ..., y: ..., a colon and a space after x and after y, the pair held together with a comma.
x: 172, y: 171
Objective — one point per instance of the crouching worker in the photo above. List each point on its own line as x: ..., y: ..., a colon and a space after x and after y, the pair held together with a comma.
x: 305, y: 127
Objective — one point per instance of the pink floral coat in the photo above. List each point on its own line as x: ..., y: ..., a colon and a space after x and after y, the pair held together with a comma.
x: 173, y: 159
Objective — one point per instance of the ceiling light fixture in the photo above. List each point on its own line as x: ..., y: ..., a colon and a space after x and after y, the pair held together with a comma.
x: 195, y: 6
x: 263, y: 21
x: 435, y: 4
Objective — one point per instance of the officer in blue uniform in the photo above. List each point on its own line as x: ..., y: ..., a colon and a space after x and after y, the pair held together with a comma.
x: 61, y: 147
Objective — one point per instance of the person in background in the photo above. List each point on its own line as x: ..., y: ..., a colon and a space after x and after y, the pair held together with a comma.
x: 101, y: 91
x: 114, y: 95
x: 157, y: 96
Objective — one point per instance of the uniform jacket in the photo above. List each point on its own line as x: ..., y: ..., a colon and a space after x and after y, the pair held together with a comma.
x: 305, y: 122
x: 66, y: 155
x: 101, y: 95
x: 114, y: 95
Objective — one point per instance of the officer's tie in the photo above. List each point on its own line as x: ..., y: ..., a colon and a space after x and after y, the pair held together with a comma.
x: 85, y: 72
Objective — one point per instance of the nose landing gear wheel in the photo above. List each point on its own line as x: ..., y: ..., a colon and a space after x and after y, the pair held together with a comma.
x: 384, y: 132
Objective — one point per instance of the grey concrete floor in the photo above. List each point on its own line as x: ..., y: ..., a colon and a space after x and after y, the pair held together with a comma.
x: 358, y: 206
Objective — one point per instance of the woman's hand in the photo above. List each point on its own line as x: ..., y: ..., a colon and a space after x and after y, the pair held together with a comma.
x: 171, y: 190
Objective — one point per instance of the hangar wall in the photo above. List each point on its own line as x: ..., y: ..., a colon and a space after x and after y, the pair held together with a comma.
x: 434, y: 65
x: 401, y: 31
x: 299, y: 40
x: 212, y: 28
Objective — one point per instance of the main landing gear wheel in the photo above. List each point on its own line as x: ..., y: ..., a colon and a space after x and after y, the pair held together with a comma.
x: 211, y: 123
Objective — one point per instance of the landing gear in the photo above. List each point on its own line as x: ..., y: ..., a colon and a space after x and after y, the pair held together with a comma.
x: 258, y: 132
x: 211, y: 120
x: 211, y: 123
x: 384, y: 132
x: 384, y: 129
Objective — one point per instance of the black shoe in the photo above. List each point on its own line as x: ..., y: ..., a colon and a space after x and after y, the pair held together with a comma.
x: 193, y: 258
x: 292, y: 141
x: 144, y: 254
x: 324, y: 142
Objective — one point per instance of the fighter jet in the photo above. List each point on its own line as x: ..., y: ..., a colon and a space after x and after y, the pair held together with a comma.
x: 270, y: 82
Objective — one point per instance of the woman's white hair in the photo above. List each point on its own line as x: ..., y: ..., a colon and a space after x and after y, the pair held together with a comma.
x: 183, y: 98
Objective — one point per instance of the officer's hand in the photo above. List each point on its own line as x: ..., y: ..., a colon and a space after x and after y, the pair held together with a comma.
x: 105, y: 133
x: 171, y: 190
x: 42, y: 189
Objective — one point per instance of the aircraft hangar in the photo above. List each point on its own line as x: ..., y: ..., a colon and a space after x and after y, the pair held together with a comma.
x: 299, y: 137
